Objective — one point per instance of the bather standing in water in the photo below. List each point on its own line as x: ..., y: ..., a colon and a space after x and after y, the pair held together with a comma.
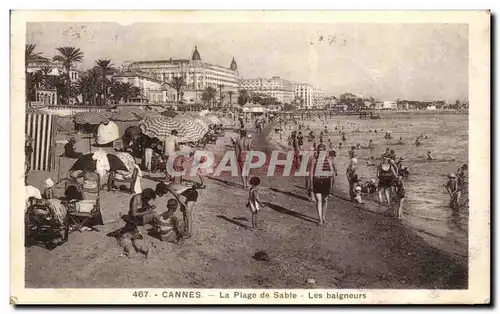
x: 429, y: 157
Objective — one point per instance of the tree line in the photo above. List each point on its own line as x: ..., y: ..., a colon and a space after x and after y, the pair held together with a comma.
x: 94, y: 85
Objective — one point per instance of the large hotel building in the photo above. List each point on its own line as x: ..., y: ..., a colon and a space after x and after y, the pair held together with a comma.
x: 309, y: 97
x: 275, y: 86
x: 197, y: 74
x: 285, y: 91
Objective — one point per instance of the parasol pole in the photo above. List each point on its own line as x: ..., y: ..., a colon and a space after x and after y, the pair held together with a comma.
x: 58, y: 170
x: 90, y: 145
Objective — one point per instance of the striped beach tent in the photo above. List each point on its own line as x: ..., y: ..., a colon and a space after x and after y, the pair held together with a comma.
x: 41, y: 128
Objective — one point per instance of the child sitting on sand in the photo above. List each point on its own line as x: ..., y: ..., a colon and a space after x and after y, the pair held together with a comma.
x: 48, y: 192
x: 357, y: 197
x: 167, y: 225
x: 254, y: 202
x: 369, y: 187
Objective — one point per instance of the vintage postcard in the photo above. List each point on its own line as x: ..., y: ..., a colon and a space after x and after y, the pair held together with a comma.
x: 232, y: 157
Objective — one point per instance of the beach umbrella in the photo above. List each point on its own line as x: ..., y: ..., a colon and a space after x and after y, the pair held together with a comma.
x: 127, y: 115
x: 92, y: 118
x: 106, y: 114
x: 86, y: 160
x: 189, y: 129
x: 169, y: 113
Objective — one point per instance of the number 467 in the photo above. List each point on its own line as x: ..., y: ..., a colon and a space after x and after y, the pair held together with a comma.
x: 140, y: 294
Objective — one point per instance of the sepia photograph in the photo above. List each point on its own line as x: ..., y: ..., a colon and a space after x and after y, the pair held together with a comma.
x: 220, y: 157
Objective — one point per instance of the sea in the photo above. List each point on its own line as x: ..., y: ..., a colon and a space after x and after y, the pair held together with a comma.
x: 426, y: 208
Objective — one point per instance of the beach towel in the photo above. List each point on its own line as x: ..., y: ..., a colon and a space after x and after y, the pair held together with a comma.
x: 128, y: 160
x: 148, y: 155
x: 137, y: 184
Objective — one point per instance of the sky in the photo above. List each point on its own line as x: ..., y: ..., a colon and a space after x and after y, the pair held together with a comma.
x: 386, y: 61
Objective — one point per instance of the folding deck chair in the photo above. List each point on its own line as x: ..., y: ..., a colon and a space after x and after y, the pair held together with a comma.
x: 112, y: 179
x: 86, y: 212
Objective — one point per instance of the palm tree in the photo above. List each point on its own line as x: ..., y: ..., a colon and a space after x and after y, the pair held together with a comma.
x: 105, y: 67
x: 177, y: 84
x: 117, y: 91
x: 45, y: 72
x: 88, y: 85
x: 29, y: 56
x: 135, y: 92
x: 209, y: 94
x: 68, y: 56
x: 126, y: 90
x: 243, y: 97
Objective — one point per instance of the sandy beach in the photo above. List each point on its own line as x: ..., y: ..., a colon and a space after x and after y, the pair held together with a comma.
x: 359, y: 247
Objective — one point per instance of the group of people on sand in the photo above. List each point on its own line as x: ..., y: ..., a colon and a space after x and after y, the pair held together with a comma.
x: 167, y: 226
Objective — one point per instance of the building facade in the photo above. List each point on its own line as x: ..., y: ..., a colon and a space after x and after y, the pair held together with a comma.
x: 318, y: 98
x: 196, y: 74
x: 153, y: 90
x: 54, y: 68
x: 304, y: 94
x: 281, y: 89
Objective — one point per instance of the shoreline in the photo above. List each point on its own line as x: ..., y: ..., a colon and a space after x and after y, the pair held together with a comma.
x: 355, y: 249
x: 370, y: 205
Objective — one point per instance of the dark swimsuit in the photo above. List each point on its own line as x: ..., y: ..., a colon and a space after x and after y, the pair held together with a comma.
x: 385, y: 178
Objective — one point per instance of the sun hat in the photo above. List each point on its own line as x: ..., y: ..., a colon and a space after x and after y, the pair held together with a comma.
x: 49, y: 183
x: 385, y: 167
x: 354, y: 161
x: 358, y: 188
x: 451, y: 175
x: 177, y: 188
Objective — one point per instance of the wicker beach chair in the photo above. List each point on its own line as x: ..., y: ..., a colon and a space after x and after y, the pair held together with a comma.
x: 43, y: 226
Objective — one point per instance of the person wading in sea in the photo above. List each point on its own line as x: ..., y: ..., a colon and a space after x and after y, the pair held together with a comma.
x: 386, y: 176
x: 453, y: 189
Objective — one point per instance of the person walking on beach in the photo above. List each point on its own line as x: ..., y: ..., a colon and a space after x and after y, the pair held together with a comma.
x: 300, y: 139
x: 254, y: 203
x: 331, y: 155
x: 296, y: 153
x: 171, y: 145
x: 454, y: 190
x: 321, y: 183
x: 330, y: 145
x: 400, y: 194
x: 241, y: 146
x: 385, y: 175
x: 352, y: 177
